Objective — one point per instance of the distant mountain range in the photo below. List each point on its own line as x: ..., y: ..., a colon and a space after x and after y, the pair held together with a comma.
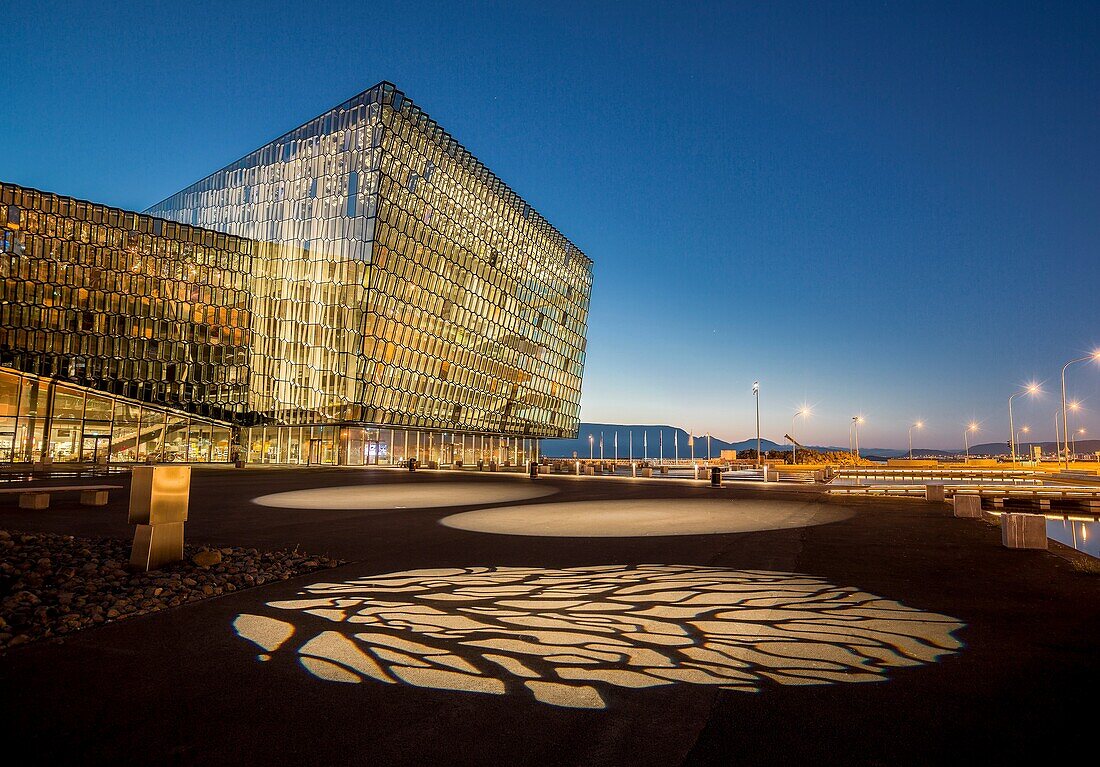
x: 648, y: 440
x: 1001, y: 448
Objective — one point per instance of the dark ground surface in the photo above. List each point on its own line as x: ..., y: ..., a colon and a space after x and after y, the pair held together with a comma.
x: 181, y: 687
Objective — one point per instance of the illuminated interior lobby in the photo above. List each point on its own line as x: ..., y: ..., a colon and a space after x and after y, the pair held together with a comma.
x: 361, y: 290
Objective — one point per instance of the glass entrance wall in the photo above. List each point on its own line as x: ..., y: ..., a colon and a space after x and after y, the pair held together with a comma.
x: 42, y: 418
x: 359, y: 445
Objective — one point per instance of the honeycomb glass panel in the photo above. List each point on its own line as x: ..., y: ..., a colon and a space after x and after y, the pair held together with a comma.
x: 362, y: 272
x: 397, y: 281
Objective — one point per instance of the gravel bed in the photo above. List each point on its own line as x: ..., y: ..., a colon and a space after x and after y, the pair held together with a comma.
x: 52, y: 585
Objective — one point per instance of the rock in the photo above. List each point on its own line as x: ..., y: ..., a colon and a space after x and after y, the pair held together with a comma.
x: 57, y: 584
x: 207, y: 558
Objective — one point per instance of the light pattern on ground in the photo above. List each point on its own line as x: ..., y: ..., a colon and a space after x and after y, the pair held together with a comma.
x: 404, y: 495
x: 657, y: 516
x: 570, y: 637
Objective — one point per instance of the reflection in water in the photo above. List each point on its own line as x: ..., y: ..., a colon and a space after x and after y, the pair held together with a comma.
x: 568, y: 637
x: 1082, y: 534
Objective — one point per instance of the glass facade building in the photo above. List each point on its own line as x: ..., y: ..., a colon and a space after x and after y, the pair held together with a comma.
x: 360, y: 290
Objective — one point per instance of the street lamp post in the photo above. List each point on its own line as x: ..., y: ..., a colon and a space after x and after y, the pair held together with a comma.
x: 756, y: 396
x: 1065, y: 418
x: 591, y: 448
x: 1022, y: 430
x: 794, y: 446
x: 856, y: 421
x: 1032, y: 389
x: 917, y: 425
x: 966, y: 438
x: 1074, y: 406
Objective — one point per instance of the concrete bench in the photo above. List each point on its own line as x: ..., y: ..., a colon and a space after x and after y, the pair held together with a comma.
x: 39, y: 497
x: 1023, y: 531
x: 968, y: 505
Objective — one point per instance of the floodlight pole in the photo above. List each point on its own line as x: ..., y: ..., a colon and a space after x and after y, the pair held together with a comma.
x: 1065, y: 417
x: 756, y: 396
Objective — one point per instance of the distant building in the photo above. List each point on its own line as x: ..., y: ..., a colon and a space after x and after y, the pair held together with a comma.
x: 360, y: 290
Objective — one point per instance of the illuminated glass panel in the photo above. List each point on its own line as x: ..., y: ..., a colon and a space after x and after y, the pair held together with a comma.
x: 123, y: 303
x: 397, y: 281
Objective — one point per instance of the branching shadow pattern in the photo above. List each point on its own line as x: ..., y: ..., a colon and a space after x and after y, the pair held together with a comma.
x: 568, y: 637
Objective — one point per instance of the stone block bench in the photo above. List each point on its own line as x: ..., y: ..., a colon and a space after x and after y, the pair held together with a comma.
x: 39, y: 497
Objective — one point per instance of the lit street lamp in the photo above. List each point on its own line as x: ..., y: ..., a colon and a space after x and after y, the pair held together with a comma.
x: 1082, y: 433
x: 1022, y: 430
x: 794, y: 447
x: 756, y: 396
x: 966, y: 438
x: 856, y: 421
x: 917, y: 425
x: 1065, y: 419
x: 1074, y: 406
x: 1032, y: 389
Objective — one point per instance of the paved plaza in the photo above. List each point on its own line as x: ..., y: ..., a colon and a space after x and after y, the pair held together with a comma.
x: 492, y: 619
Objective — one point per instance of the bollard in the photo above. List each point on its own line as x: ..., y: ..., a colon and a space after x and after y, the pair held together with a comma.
x: 764, y: 472
x: 158, y: 506
x: 1023, y: 531
x: 715, y: 477
x: 934, y: 493
x: 634, y: 470
x: 968, y: 505
x: 578, y: 468
x: 647, y: 472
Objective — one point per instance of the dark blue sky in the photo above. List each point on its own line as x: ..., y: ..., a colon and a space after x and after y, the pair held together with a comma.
x: 884, y: 208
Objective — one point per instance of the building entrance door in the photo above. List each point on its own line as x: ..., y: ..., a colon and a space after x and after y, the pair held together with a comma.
x: 314, y: 456
x: 95, y: 448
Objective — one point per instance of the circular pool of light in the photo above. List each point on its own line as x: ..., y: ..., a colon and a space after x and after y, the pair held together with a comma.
x: 404, y: 495
x: 645, y: 517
